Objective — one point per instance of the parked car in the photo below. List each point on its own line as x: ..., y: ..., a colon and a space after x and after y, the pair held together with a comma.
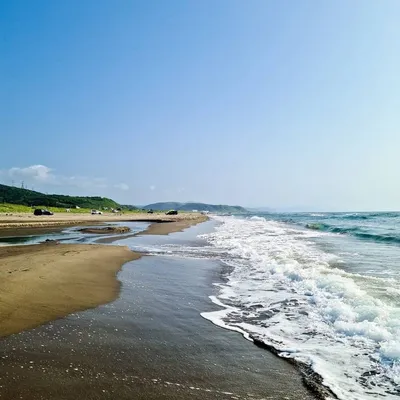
x: 150, y: 212
x: 171, y: 212
x: 96, y: 212
x: 39, y: 211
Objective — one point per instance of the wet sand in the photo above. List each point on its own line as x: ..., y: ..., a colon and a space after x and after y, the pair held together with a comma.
x: 43, y: 282
x: 158, y: 228
x: 28, y: 231
x: 106, y: 230
x: 151, y: 343
x: 39, y: 283
x: 171, y: 227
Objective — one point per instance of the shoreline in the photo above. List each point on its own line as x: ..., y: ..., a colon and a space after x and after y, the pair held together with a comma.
x: 28, y: 225
x: 82, y: 284
x: 43, y: 282
x: 151, y: 343
x: 156, y: 228
x: 8, y: 223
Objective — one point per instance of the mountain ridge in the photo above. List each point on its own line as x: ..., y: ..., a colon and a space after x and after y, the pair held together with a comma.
x: 31, y: 198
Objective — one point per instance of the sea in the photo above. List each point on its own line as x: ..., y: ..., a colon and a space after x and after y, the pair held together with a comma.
x: 319, y: 289
x: 322, y: 289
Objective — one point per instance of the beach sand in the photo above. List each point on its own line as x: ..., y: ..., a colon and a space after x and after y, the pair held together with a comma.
x: 40, y: 283
x: 43, y: 282
x: 26, y: 221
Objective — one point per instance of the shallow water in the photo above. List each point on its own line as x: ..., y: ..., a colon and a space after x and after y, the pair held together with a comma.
x: 330, y: 300
x: 70, y: 235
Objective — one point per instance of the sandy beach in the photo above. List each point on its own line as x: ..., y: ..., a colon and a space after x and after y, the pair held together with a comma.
x: 136, y: 335
x: 150, y: 343
x: 26, y: 221
x: 43, y: 282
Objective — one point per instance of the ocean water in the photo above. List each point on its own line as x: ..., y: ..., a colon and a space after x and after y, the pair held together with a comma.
x: 323, y: 289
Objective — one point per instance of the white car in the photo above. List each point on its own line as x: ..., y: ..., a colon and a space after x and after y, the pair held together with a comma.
x: 96, y: 212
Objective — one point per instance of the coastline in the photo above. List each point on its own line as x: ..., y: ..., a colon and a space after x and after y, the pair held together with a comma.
x: 43, y: 282
x: 15, y: 222
x: 155, y: 350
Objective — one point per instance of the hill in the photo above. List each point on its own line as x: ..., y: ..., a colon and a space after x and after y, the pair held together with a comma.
x: 214, y: 208
x: 13, y: 195
x: 26, y: 197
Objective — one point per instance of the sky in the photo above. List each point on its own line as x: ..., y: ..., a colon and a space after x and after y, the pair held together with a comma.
x: 282, y: 104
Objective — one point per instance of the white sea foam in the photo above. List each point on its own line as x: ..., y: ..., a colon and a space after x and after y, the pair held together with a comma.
x: 282, y: 289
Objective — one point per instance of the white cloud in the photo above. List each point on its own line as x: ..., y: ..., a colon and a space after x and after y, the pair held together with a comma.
x: 38, y: 173
x: 122, y: 186
x: 152, y: 187
x: 42, y: 175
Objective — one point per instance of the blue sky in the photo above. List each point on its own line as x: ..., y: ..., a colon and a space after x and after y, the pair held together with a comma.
x: 259, y: 103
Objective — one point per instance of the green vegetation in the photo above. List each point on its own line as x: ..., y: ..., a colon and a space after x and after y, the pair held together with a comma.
x: 127, y: 207
x: 14, y: 208
x: 15, y: 200
x: 30, y: 198
x: 18, y: 208
x: 214, y: 208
